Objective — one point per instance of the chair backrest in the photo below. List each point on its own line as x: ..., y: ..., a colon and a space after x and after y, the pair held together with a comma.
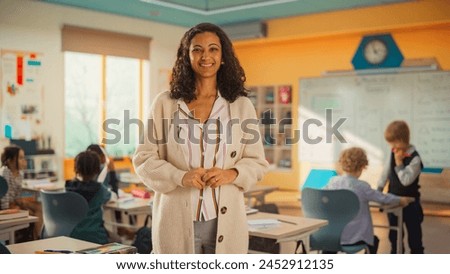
x: 62, y: 211
x: 338, y: 207
x: 3, y: 186
x: 318, y: 178
x: 4, y: 249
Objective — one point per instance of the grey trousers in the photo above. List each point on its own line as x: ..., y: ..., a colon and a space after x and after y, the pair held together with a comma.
x: 205, y: 237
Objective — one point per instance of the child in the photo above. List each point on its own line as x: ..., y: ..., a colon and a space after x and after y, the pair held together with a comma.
x: 13, y: 162
x: 360, y: 230
x: 87, y: 167
x: 107, y: 174
x: 402, y: 171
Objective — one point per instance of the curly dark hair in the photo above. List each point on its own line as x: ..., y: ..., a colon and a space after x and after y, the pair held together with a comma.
x: 10, y: 153
x: 230, y: 77
x: 87, y: 165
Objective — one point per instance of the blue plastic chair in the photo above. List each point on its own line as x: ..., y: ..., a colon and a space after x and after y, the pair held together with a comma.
x: 318, y: 178
x: 62, y: 211
x: 338, y: 207
x: 3, y: 186
x: 4, y: 249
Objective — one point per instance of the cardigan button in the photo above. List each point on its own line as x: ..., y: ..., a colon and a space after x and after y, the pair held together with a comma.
x: 220, y: 238
x: 223, y: 210
x: 233, y: 154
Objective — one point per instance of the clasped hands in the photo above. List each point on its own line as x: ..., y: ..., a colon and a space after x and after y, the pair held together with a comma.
x: 214, y: 177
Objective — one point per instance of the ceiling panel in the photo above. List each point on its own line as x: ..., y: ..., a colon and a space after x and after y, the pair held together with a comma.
x: 187, y: 13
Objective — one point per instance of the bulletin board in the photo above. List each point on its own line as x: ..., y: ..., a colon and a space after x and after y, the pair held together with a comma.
x: 21, y: 94
x: 368, y: 103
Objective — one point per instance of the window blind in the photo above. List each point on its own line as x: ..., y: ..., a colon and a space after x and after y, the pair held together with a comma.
x: 95, y: 41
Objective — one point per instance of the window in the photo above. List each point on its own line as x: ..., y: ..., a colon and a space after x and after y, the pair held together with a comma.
x: 100, y: 88
x: 105, y: 76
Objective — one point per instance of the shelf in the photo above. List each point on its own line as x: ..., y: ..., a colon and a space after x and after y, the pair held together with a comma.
x: 41, y: 166
x: 273, y: 106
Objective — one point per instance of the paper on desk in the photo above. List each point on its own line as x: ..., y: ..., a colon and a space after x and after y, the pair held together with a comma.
x: 263, y: 223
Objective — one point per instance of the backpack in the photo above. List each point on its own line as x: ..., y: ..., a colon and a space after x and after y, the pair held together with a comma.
x: 143, y: 240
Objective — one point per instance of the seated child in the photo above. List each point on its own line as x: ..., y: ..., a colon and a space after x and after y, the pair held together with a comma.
x: 13, y: 163
x: 107, y: 174
x: 352, y: 161
x: 87, y: 167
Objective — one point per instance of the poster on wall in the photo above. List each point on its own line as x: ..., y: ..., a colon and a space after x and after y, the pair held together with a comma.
x: 22, y: 91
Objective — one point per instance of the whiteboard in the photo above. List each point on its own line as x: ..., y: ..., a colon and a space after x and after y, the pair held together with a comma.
x: 368, y: 103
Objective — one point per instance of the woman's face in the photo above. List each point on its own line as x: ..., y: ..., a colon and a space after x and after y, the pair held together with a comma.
x: 205, y: 53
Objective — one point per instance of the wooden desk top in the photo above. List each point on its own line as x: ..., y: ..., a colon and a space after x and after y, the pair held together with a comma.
x: 260, y: 188
x: 386, y: 208
x: 289, y: 225
x: 47, y: 187
x: 56, y: 243
x: 129, y: 178
x: 17, y: 221
x: 134, y: 204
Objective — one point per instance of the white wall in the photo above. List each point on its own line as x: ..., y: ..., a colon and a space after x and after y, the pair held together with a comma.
x: 35, y: 26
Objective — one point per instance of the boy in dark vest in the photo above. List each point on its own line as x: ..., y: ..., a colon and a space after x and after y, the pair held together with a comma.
x: 402, y: 171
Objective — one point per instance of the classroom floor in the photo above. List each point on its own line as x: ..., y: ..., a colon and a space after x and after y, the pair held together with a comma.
x: 436, y: 225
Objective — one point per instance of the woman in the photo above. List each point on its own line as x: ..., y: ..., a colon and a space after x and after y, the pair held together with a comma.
x: 202, y: 150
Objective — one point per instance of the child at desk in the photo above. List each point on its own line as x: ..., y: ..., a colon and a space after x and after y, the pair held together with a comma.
x: 87, y: 167
x: 13, y: 163
x: 352, y: 162
x: 402, y: 170
x: 107, y: 174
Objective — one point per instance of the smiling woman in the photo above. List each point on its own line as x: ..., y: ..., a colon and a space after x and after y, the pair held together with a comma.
x: 199, y: 174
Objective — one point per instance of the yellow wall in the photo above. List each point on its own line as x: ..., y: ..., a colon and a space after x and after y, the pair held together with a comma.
x: 307, y: 46
x: 119, y: 164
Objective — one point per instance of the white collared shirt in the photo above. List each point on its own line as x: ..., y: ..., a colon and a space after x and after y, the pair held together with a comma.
x: 205, y: 147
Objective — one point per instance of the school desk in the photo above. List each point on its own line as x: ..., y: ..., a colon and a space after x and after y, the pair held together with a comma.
x: 132, y: 210
x: 57, y: 243
x: 289, y: 228
x: 398, y: 211
x: 8, y: 227
x: 129, y: 178
x: 34, y: 189
x: 258, y: 192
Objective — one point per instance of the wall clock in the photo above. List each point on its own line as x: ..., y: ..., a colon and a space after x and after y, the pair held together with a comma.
x: 377, y: 51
